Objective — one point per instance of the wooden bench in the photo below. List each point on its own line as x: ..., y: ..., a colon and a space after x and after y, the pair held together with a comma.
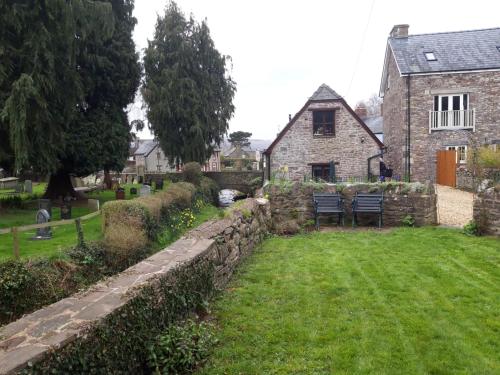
x: 368, y: 203
x: 328, y: 203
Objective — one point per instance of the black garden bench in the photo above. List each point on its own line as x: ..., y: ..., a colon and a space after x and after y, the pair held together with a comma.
x: 368, y: 203
x: 328, y: 203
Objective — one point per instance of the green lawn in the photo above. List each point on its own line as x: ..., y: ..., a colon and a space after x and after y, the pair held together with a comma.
x: 412, y: 301
x: 64, y: 237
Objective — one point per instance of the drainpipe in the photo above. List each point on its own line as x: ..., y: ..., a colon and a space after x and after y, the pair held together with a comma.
x: 408, y: 121
x: 381, y: 154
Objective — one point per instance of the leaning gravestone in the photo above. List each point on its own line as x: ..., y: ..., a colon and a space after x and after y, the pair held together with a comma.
x: 42, y: 217
x: 45, y: 204
x: 93, y: 204
x: 145, y: 190
x: 28, y: 187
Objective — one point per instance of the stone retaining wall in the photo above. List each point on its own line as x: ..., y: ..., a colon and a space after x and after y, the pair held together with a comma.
x: 224, y: 242
x: 291, y: 206
x: 487, y: 211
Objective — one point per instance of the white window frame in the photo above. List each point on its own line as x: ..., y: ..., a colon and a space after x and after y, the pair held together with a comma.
x: 450, y: 102
x: 460, y: 159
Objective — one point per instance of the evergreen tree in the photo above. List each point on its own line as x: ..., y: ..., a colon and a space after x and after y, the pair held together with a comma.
x: 240, y: 138
x: 187, y: 90
x: 70, y: 70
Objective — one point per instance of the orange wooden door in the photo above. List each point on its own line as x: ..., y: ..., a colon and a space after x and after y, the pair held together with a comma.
x: 446, y: 168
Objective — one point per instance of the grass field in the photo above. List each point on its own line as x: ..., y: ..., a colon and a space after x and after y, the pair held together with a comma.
x: 65, y: 237
x: 411, y: 301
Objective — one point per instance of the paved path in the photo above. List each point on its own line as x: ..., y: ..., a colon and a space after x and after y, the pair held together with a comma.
x: 454, y: 206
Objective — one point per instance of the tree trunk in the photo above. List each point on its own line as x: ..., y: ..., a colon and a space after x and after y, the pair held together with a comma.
x: 107, y: 180
x: 60, y: 186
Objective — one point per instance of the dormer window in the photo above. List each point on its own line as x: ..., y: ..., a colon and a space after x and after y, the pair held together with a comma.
x: 429, y: 56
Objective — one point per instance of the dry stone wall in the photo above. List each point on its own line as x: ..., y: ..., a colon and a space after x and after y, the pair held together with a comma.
x: 33, y: 338
x: 292, y: 207
x: 487, y: 211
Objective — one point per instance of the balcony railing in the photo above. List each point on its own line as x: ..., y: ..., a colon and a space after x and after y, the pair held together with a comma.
x: 452, y: 120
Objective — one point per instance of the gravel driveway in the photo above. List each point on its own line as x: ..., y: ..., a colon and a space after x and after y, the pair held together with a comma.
x: 454, y: 206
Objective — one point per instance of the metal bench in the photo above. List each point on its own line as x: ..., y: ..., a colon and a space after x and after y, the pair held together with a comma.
x: 368, y: 203
x: 328, y: 203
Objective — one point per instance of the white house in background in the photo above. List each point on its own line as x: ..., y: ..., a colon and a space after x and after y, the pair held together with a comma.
x: 149, y: 158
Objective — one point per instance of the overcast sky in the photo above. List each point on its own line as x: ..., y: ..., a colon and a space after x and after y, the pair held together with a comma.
x: 282, y: 50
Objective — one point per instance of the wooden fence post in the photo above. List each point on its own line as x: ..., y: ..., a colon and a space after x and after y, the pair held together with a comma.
x: 15, y: 242
x: 79, y: 233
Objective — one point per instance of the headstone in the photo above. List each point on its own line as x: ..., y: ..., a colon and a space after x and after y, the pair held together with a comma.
x: 19, y: 188
x: 120, y: 193
x: 145, y: 190
x: 45, y: 204
x: 93, y: 204
x: 66, y: 209
x: 159, y: 185
x: 28, y: 187
x: 133, y: 191
x: 43, y: 216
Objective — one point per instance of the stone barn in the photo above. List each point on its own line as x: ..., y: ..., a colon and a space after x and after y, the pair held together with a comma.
x: 326, y: 140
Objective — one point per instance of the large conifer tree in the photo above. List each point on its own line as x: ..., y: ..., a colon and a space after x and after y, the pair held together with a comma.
x: 187, y: 90
x: 70, y: 71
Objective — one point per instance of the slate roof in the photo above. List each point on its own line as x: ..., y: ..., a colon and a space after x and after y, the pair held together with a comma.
x: 454, y: 51
x: 324, y: 92
x: 375, y: 123
x: 146, y: 147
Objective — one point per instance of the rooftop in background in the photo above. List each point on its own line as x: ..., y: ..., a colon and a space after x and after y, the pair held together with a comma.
x: 453, y: 51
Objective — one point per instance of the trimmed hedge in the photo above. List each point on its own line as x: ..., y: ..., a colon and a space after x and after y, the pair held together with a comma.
x: 130, y: 225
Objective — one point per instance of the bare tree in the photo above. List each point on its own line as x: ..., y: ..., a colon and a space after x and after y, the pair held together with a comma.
x: 373, y: 105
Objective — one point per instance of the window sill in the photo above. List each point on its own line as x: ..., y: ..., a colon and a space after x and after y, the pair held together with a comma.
x: 323, y: 136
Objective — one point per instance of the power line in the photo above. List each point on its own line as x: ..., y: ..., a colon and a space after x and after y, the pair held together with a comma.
x: 361, y: 47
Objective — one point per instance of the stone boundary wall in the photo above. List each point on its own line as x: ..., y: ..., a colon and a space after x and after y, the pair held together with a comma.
x: 487, y: 210
x: 224, y: 242
x: 238, y: 180
x: 292, y: 207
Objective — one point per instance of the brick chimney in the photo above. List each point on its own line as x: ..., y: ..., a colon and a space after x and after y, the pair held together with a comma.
x: 400, y: 31
x: 361, y: 111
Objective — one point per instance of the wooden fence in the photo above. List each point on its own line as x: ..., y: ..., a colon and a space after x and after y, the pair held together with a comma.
x: 16, y: 230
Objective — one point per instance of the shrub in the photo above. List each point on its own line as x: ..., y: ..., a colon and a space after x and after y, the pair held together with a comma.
x: 408, y: 221
x: 192, y: 173
x: 128, y: 227
x: 181, y: 348
x: 471, y: 228
x: 121, y: 342
x: 209, y: 190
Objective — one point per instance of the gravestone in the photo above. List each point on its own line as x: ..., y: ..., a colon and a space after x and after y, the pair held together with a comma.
x: 19, y: 188
x: 133, y: 191
x: 28, y: 187
x: 45, y: 204
x: 120, y: 193
x: 43, y: 216
x: 93, y: 204
x: 66, y: 209
x: 159, y: 185
x: 145, y: 190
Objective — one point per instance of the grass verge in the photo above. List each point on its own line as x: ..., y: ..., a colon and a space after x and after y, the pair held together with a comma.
x: 414, y: 301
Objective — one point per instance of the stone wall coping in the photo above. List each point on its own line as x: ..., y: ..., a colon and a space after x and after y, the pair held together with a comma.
x: 34, y: 335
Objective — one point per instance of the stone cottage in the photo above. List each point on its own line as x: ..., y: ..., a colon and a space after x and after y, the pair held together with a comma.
x: 440, y: 92
x: 325, y: 140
